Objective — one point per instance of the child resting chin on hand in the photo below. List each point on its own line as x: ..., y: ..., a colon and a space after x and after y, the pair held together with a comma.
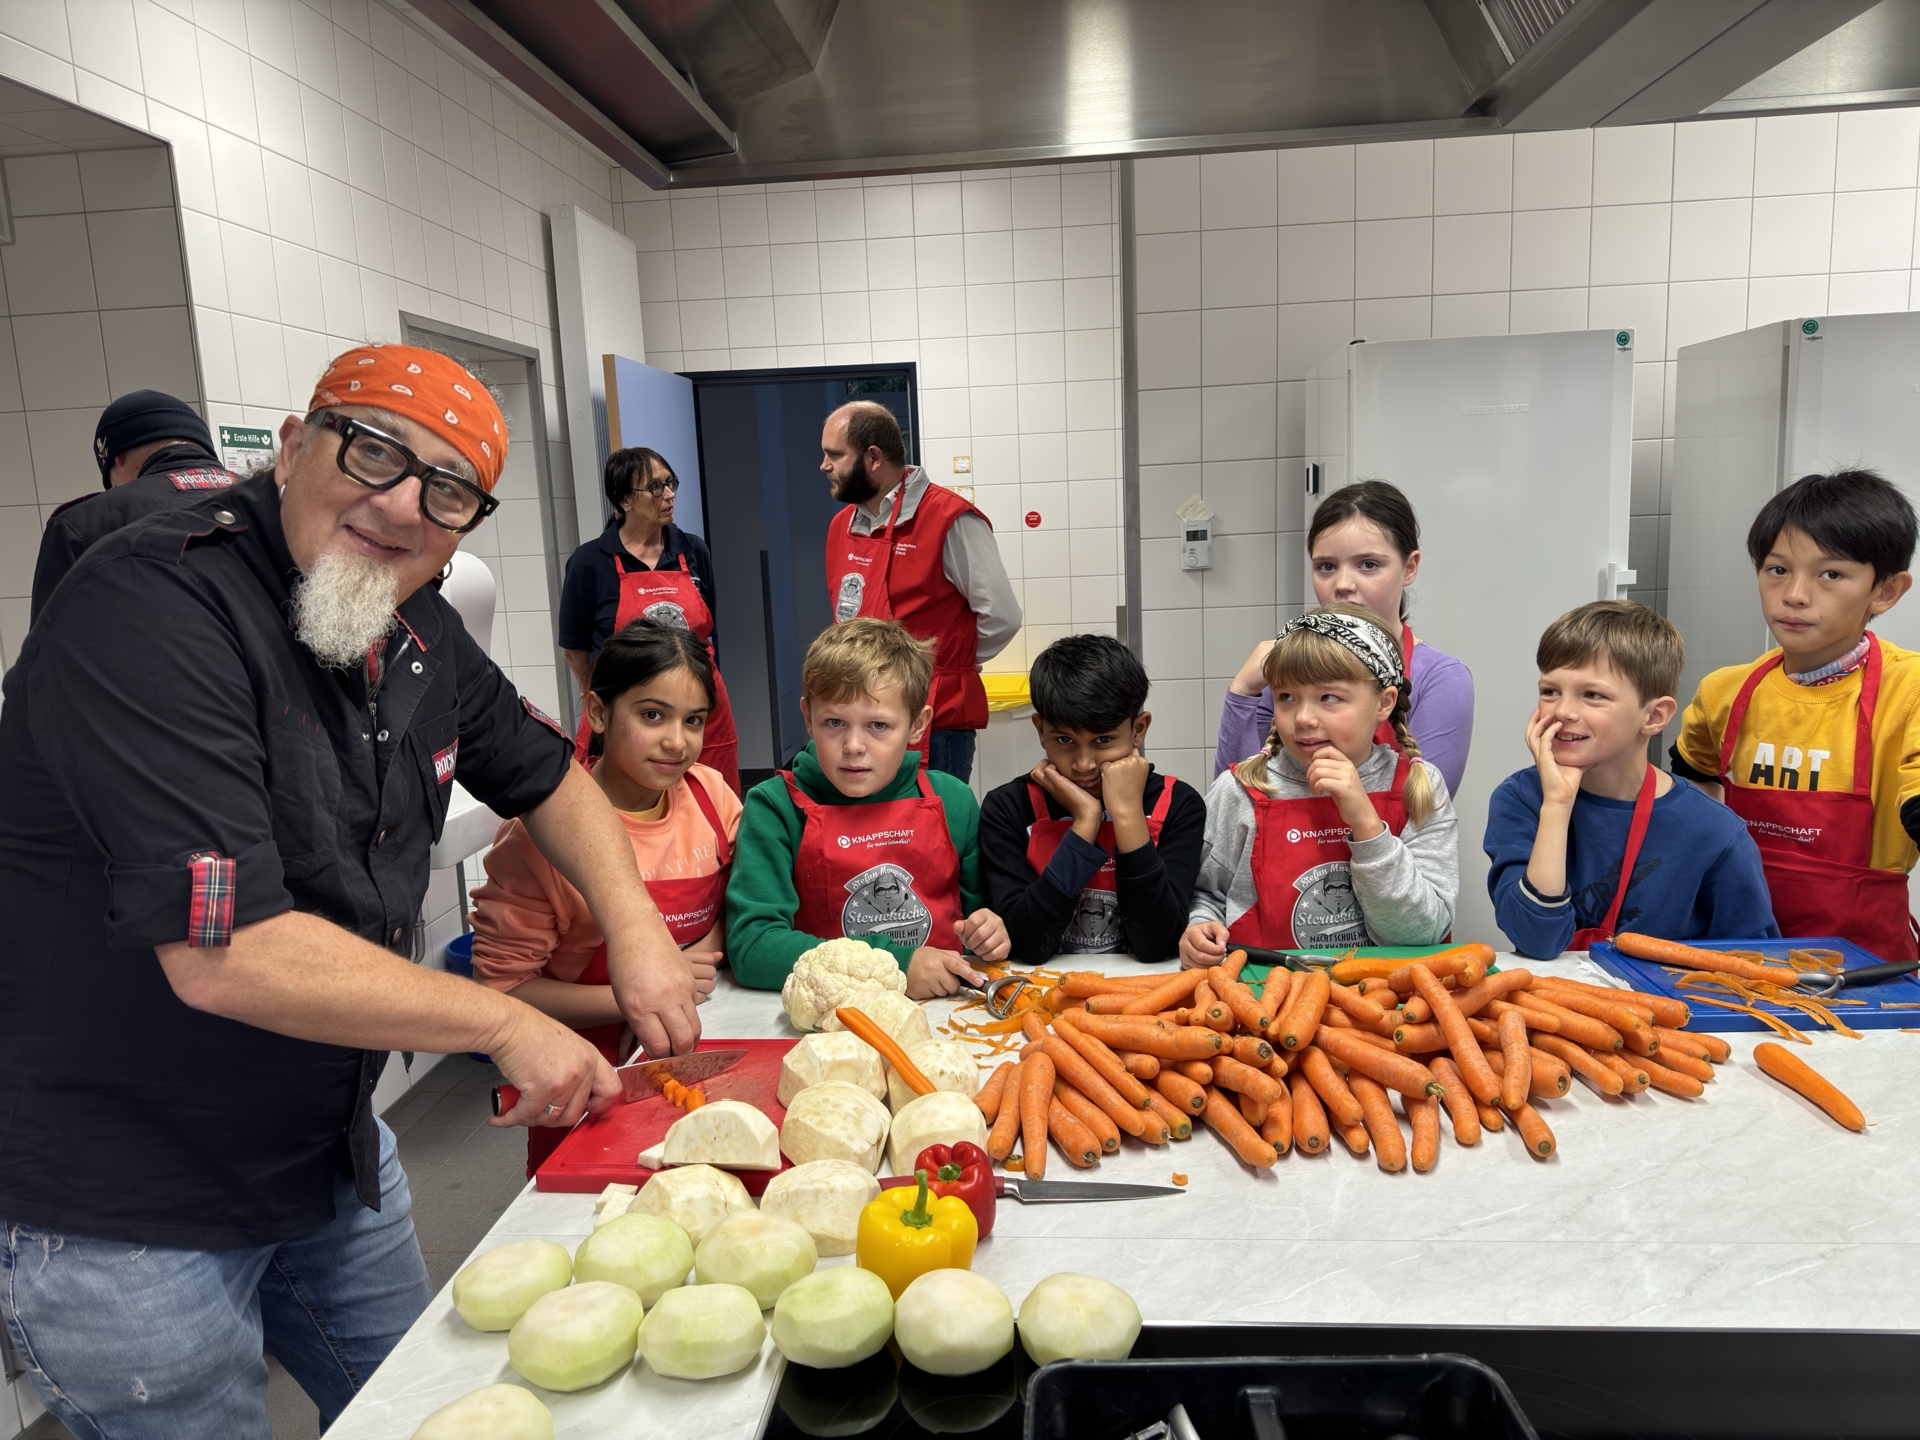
x: 1328, y: 839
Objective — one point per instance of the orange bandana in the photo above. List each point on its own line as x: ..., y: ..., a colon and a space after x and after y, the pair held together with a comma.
x: 428, y: 389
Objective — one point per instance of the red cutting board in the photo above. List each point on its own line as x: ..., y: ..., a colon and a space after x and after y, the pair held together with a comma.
x: 603, y: 1150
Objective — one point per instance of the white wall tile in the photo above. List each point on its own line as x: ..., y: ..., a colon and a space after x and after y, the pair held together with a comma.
x: 1710, y: 238
x: 48, y: 267
x: 1310, y: 333
x: 1393, y: 257
x: 1238, y: 267
x: 1877, y: 149
x: 1238, y: 346
x: 1169, y: 348
x: 1792, y: 234
x: 1166, y: 193
x: 1868, y: 292
x: 1702, y: 309
x: 1315, y: 184
x: 1713, y: 160
x: 1393, y: 179
x: 1239, y: 422
x: 1472, y: 253
x: 1873, y: 229
x: 66, y: 363
x: 1630, y: 244
x: 1470, y: 314
x: 1632, y: 164
x: 1784, y: 298
x: 1640, y: 308
x: 1238, y: 190
x: 1315, y: 262
x: 1553, y: 170
x: 1036, y: 200
x: 1473, y: 175
x: 1405, y: 318
x: 1167, y: 272
x: 1533, y: 312
x: 1794, y: 154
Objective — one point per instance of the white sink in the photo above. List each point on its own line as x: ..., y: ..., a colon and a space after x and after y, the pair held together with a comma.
x: 470, y: 827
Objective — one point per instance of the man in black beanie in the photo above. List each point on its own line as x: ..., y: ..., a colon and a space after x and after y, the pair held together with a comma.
x: 154, y: 453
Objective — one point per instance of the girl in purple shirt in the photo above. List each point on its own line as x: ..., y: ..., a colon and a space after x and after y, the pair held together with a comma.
x: 1364, y: 547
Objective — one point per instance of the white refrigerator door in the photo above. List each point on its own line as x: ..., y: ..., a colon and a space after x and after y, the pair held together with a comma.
x: 1516, y: 451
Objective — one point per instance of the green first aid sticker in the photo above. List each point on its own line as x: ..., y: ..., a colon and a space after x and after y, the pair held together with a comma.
x: 244, y: 449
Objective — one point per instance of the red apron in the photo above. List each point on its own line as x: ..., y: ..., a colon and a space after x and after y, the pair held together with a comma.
x: 670, y: 596
x: 1301, y: 876
x: 1816, y: 845
x: 898, y: 574
x: 1095, y: 926
x: 1586, y: 939
x: 886, y: 869
x: 690, y: 907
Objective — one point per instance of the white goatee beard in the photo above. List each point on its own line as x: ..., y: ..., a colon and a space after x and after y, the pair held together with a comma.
x: 343, y: 605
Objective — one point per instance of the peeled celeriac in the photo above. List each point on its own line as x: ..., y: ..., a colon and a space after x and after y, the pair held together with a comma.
x: 830, y: 1056
x: 902, y: 1019
x: 942, y: 1118
x: 1078, y: 1317
x: 947, y: 1063
x: 694, y: 1197
x: 953, y: 1322
x: 649, y: 1254
x: 824, y: 1198
x: 835, y: 1122
x: 833, y: 1318
x: 758, y: 1252
x: 614, y: 1200
x: 494, y: 1290
x: 576, y: 1337
x: 494, y: 1412
x: 724, y: 1132
x: 700, y: 1331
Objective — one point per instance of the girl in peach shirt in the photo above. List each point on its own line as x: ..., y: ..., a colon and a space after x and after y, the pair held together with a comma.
x: 652, y: 689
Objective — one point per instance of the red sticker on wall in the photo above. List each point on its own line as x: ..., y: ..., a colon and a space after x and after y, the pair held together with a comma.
x: 1033, y: 519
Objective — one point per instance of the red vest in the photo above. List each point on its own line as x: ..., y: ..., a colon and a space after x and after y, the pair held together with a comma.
x: 897, y: 574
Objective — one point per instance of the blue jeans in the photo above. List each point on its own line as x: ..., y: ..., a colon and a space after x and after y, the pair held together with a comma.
x: 135, y: 1342
x: 952, y: 752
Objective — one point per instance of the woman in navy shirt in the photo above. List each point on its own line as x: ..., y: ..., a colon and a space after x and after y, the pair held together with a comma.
x: 643, y: 565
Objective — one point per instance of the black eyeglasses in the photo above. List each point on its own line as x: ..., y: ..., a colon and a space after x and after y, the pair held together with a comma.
x: 378, y: 461
x: 657, y: 488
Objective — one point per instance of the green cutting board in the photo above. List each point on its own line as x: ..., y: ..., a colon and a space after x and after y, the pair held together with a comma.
x: 1257, y: 974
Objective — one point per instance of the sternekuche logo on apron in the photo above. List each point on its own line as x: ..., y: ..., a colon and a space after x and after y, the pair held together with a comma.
x: 1326, y: 912
x: 1095, y: 926
x: 666, y: 612
x: 880, y: 901
x: 853, y: 586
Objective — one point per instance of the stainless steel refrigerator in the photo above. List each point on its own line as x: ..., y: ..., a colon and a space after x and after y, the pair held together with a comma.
x: 1516, y: 452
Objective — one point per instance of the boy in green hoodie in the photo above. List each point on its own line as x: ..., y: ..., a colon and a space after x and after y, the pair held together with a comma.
x: 859, y: 838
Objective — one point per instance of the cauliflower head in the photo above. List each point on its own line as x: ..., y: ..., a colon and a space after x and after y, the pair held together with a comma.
x: 833, y: 973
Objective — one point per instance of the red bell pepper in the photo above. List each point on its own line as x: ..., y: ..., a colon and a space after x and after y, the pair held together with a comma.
x: 963, y: 1170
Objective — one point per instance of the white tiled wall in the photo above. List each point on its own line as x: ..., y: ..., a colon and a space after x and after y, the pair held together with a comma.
x: 1002, y: 285
x: 1254, y: 266
x: 95, y: 303
x: 335, y: 166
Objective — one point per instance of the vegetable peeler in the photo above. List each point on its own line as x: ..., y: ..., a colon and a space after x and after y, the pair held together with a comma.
x: 1008, y: 985
x: 1285, y: 959
x: 1823, y: 983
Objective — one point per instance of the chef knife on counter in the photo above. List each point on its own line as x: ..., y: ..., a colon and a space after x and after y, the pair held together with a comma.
x: 641, y: 1077
x: 1053, y: 1192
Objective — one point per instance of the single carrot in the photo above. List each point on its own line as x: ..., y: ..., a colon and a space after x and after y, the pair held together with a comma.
x: 1533, y: 1130
x: 1680, y: 1040
x: 1154, y: 1130
x: 1075, y: 1140
x: 1006, y: 1125
x: 1278, y: 992
x: 1533, y: 1019
x: 1490, y: 1118
x: 1032, y: 1026
x: 1670, y: 1081
x: 1340, y: 1020
x: 1385, y: 1067
x: 1718, y: 1050
x: 1071, y: 1066
x: 1458, y: 1100
x: 1633, y: 1079
x: 1793, y: 1072
x: 1517, y: 1074
x: 1574, y: 1026
x: 1252, y: 1050
x: 1692, y: 957
x: 989, y: 1097
x: 1354, y: 1136
x: 1207, y: 1008
x: 1469, y: 962
x: 1350, y: 968
x: 1149, y: 1037
x: 1552, y: 1076
x: 1239, y: 999
x: 1636, y: 1034
x: 1278, y: 1067
x: 1466, y: 1050
x: 1089, y: 1115
x: 1176, y: 1120
x: 1015, y: 1163
x: 1664, y: 1008
x: 1419, y: 1039
x: 1253, y: 1111
x: 1057, y: 1000
x: 1581, y: 1063
x: 1095, y: 1056
x: 1235, y: 962
x: 1331, y: 1089
x: 1471, y: 1001
x: 1168, y: 993
x: 1389, y: 1145
x: 1278, y: 1129
x: 1414, y: 1011
x: 862, y: 1025
x: 1487, y: 1032
x: 1309, y: 1117
x: 1365, y: 1037
x: 1114, y: 1002
x: 1198, y: 1071
x: 1546, y: 1080
x: 1182, y: 1092
x: 1036, y: 1098
x: 1087, y: 983
x: 1673, y: 1058
x: 1424, y: 1116
x: 1356, y: 1004
x: 1230, y: 1074
x: 1141, y: 1067
x: 1224, y: 1119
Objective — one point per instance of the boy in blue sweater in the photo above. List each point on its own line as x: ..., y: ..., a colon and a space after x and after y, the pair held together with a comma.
x: 1592, y: 839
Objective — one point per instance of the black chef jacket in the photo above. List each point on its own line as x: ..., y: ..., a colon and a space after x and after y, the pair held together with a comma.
x: 162, y: 710
x: 175, y: 476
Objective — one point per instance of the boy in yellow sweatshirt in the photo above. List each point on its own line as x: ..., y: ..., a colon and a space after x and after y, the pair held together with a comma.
x: 1814, y: 744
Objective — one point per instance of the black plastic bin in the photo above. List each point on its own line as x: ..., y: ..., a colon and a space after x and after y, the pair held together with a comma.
x: 1406, y: 1397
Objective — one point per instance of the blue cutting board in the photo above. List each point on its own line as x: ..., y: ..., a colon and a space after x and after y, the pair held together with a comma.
x: 1655, y: 979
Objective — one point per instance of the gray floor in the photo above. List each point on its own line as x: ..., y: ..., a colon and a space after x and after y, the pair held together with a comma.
x: 463, y: 1173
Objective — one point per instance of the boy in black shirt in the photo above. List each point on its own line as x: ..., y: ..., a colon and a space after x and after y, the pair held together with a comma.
x: 1093, y: 852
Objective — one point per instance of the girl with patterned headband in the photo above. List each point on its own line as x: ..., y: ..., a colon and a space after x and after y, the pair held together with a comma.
x: 1327, y: 838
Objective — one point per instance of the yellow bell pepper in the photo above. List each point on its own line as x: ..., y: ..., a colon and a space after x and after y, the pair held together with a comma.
x: 901, y: 1236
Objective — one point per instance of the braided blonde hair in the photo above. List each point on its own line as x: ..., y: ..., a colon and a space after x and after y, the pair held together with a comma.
x: 1304, y: 657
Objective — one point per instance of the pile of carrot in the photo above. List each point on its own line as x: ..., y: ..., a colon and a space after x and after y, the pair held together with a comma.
x: 1751, y: 976
x: 1322, y: 1053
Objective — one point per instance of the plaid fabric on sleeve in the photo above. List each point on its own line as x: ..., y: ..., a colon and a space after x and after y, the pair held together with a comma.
x: 210, y: 910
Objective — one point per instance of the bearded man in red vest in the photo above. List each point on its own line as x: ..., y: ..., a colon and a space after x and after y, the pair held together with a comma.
x: 909, y: 550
